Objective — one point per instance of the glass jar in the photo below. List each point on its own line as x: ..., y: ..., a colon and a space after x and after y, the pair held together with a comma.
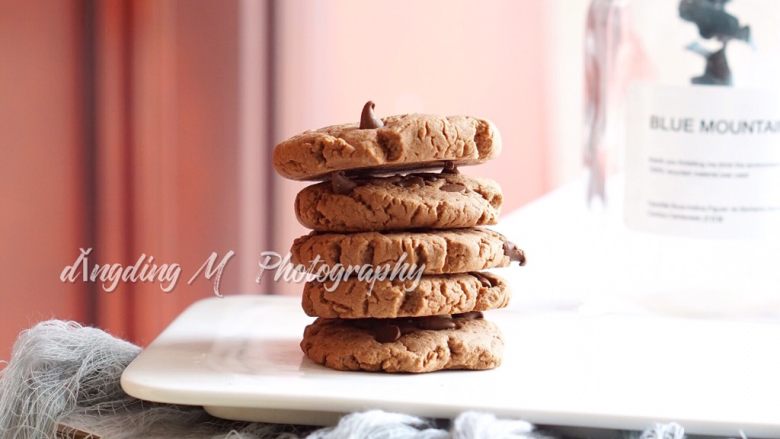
x: 683, y: 148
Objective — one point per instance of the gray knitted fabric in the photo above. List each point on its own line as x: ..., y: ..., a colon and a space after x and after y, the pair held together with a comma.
x: 64, y: 377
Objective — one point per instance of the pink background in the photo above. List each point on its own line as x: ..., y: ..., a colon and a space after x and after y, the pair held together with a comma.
x: 146, y: 127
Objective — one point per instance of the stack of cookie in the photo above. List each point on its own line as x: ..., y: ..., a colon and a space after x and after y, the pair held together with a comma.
x: 377, y: 209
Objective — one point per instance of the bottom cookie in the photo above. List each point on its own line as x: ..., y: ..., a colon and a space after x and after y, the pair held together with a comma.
x: 414, y: 345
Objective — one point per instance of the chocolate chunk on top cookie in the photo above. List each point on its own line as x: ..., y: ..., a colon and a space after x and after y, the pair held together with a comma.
x: 413, y: 201
x: 434, y: 295
x: 410, y: 141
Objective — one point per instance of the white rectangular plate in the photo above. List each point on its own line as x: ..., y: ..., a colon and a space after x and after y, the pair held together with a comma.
x: 239, y: 357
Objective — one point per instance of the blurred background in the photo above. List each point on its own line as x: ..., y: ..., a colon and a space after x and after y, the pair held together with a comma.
x: 146, y: 127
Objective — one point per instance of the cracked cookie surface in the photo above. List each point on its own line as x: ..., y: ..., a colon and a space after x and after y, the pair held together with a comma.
x: 409, y: 141
x: 434, y: 295
x: 442, y: 251
x: 338, y: 344
x: 421, y: 200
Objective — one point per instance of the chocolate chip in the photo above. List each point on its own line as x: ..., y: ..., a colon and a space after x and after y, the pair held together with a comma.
x: 450, y: 168
x: 387, y: 333
x: 484, y: 280
x: 407, y: 326
x: 471, y: 315
x: 367, y: 118
x: 427, y: 176
x: 362, y: 323
x: 341, y: 184
x: 395, y: 179
x: 514, y: 253
x: 436, y: 322
x: 412, y: 180
x: 453, y: 187
x: 390, y: 330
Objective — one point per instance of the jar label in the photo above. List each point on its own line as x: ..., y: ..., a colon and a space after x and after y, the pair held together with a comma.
x: 703, y: 161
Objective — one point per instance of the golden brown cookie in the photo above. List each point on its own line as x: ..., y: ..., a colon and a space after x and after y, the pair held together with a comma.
x: 413, y: 201
x: 347, y: 345
x: 442, y: 251
x: 433, y: 295
x: 410, y: 141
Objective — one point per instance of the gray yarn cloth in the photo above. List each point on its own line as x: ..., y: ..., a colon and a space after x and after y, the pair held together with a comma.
x: 63, y: 379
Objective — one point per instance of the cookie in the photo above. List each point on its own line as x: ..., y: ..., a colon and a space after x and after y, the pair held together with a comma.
x: 411, y: 141
x: 441, y: 251
x: 423, y: 200
x: 433, y: 295
x: 403, y: 347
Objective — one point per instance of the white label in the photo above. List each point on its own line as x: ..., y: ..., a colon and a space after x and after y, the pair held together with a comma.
x: 703, y: 161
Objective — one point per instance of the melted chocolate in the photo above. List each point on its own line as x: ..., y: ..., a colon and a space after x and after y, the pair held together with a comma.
x: 453, y: 187
x: 341, y: 184
x: 450, y: 168
x: 514, y: 253
x: 390, y: 330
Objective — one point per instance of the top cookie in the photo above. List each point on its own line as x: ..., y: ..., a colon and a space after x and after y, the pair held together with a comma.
x: 411, y: 141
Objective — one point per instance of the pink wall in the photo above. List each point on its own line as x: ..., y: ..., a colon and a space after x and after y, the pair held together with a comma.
x: 41, y: 224
x: 448, y: 57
